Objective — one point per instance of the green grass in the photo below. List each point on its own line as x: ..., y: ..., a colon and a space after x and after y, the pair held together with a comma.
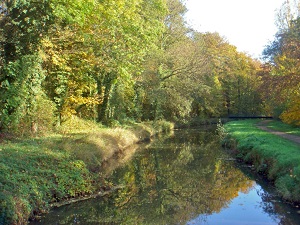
x: 37, y: 172
x: 274, y: 156
x: 290, y: 129
x: 32, y: 175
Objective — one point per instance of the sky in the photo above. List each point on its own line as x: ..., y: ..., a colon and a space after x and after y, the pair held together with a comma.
x: 247, y: 24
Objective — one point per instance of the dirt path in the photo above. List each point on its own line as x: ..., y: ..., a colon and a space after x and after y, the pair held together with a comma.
x: 263, y: 125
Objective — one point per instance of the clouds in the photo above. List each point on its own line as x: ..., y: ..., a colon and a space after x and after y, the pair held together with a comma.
x: 247, y: 24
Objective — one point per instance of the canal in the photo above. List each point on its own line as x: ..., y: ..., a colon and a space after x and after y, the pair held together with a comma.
x: 184, y: 178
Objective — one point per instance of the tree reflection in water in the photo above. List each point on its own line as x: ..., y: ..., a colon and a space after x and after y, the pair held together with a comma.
x: 173, y: 182
x: 170, y: 181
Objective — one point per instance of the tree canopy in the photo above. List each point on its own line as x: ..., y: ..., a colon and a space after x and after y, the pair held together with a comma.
x: 283, y: 79
x: 118, y: 61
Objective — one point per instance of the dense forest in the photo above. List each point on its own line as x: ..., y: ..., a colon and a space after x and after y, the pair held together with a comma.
x: 135, y: 60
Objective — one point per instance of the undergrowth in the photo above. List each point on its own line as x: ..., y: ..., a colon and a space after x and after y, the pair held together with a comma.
x: 277, y: 158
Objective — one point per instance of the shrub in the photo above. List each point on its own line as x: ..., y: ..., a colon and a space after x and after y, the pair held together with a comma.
x: 163, y: 126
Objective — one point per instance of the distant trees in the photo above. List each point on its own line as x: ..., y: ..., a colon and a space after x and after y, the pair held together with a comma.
x: 232, y: 77
x: 196, y: 74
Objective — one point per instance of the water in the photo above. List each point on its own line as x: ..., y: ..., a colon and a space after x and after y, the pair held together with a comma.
x: 182, y: 179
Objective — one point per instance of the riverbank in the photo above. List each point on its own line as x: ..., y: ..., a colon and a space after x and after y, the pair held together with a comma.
x: 270, y: 154
x: 36, y: 173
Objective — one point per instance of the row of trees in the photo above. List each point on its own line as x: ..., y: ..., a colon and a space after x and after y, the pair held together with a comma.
x: 65, y: 57
x: 116, y: 61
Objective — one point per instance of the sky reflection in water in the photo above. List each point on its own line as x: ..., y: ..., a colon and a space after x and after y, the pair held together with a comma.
x: 246, y: 209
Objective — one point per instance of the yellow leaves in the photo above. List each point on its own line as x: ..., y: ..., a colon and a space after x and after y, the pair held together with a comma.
x: 217, y: 82
x: 52, y: 55
x: 47, y: 43
x: 292, y: 114
x: 79, y: 100
x: 55, y: 60
x: 73, y: 102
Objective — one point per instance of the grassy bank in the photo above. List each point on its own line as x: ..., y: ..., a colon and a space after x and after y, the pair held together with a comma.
x: 39, y: 171
x: 289, y: 129
x: 277, y: 158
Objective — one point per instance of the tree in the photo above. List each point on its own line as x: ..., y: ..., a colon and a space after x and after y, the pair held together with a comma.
x: 164, y: 89
x: 90, y: 56
x: 131, y: 30
x: 283, y: 55
x: 229, y: 77
x: 23, y: 24
x: 288, y: 12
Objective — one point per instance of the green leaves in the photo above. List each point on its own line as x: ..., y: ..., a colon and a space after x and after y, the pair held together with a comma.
x: 110, y: 58
x: 19, y: 90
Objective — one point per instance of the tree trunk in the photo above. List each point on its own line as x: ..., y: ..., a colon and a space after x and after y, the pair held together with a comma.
x: 102, y: 108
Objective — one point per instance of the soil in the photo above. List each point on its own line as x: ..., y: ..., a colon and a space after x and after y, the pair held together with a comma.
x: 263, y: 125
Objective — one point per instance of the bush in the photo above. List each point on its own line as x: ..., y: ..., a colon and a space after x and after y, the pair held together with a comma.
x: 163, y: 126
x: 40, y: 121
x: 21, y: 96
x: 76, y: 125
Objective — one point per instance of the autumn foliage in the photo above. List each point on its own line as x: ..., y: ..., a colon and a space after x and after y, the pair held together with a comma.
x: 119, y: 61
x: 284, y: 75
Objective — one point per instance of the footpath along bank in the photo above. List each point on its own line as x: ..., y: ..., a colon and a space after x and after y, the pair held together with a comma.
x: 272, y: 148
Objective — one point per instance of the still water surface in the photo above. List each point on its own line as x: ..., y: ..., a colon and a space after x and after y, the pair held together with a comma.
x: 185, y: 178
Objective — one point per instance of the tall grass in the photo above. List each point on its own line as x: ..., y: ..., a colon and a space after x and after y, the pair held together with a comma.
x: 272, y: 155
